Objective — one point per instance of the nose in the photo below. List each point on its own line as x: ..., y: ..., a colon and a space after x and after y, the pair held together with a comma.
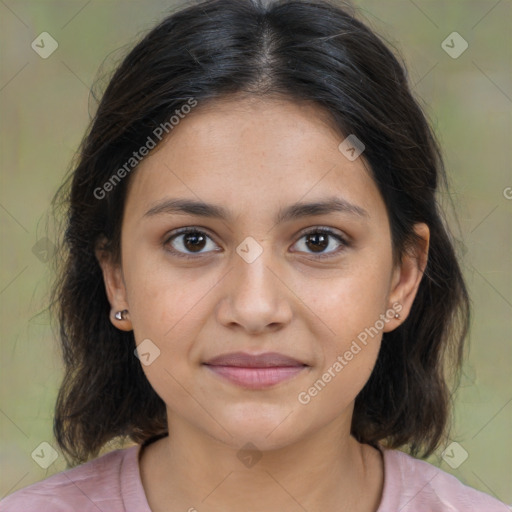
x: 255, y: 298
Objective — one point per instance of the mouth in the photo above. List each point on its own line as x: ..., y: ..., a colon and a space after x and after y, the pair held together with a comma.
x: 255, y: 371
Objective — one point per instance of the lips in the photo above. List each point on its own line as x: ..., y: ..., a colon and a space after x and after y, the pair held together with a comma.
x: 266, y: 360
x: 255, y: 371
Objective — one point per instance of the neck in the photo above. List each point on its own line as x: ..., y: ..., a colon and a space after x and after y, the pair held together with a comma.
x: 327, y: 470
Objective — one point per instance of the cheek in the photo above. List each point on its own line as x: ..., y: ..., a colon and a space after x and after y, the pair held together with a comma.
x: 349, y: 303
x: 351, y: 306
x: 347, y: 356
x: 168, y: 309
x: 165, y: 302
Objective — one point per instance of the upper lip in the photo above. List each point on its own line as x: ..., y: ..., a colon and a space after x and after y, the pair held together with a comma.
x: 245, y: 360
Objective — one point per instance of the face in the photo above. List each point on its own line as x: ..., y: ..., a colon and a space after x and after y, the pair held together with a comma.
x: 313, y: 285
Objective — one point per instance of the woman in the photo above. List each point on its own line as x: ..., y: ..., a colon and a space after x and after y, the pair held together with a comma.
x: 259, y: 290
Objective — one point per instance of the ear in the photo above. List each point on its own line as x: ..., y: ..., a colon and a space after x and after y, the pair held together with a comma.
x: 114, y: 286
x: 407, y: 276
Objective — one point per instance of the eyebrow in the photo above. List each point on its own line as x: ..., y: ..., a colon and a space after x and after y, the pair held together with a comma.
x: 291, y: 212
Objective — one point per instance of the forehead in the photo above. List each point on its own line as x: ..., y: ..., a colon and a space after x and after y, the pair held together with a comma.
x: 252, y: 153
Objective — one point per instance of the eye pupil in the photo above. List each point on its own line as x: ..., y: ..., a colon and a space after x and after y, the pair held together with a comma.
x: 195, y: 244
x: 318, y: 246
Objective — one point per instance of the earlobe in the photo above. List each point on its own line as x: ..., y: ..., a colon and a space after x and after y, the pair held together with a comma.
x: 408, y: 275
x: 121, y: 320
x: 114, y: 287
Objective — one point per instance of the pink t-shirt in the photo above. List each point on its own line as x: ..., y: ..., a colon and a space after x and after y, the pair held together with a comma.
x: 112, y: 483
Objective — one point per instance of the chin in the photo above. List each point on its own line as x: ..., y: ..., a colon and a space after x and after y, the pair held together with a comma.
x: 267, y: 427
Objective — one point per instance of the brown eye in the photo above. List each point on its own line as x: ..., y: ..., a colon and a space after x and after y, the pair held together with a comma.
x: 194, y: 241
x: 320, y: 239
x: 190, y: 242
x: 317, y: 242
x: 187, y: 242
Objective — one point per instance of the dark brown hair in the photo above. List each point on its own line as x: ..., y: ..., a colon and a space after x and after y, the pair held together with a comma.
x: 314, y: 51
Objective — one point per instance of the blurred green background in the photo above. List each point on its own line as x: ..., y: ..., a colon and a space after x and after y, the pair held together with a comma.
x: 45, y: 109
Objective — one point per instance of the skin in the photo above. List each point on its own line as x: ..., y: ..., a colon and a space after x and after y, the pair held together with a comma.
x: 256, y: 156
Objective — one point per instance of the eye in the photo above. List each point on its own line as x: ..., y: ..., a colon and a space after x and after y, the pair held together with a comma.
x: 319, y: 239
x: 187, y: 239
x: 190, y: 241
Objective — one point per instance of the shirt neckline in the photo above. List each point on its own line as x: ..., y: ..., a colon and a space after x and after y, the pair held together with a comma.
x: 392, y: 481
x: 135, y: 499
x: 132, y: 491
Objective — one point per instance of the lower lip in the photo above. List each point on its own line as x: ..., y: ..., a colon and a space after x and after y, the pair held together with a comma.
x: 256, y: 378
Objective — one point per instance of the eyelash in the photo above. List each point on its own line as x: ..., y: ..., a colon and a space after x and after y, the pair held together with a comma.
x: 183, y: 231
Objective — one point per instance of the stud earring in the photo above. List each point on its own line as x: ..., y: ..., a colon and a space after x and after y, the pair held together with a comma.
x: 120, y: 314
x: 397, y: 315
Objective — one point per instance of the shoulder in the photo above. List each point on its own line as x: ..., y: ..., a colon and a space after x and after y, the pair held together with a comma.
x: 415, y: 485
x: 100, y: 484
